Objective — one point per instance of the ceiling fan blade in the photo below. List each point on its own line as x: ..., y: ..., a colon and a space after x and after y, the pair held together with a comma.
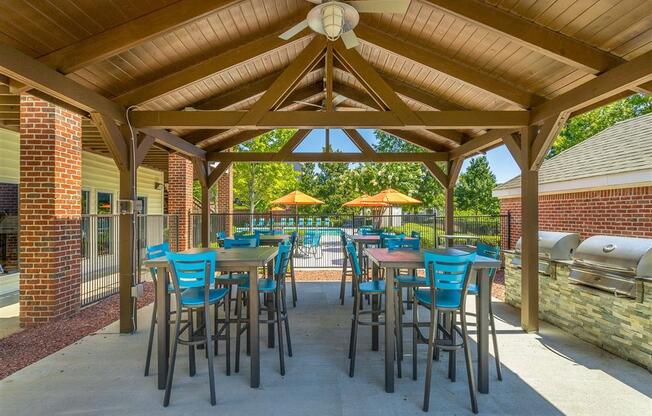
x: 350, y: 39
x: 338, y: 99
x: 294, y: 30
x: 315, y: 1
x: 381, y: 6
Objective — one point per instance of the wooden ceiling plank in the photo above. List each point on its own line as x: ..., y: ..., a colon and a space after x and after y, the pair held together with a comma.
x: 446, y: 65
x: 623, y: 77
x: 329, y: 77
x: 287, y: 81
x: 316, y: 119
x: 215, y: 64
x: 129, y: 34
x: 534, y: 36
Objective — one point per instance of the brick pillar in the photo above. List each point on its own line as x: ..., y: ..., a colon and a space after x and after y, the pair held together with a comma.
x: 180, y: 201
x: 50, y: 211
x: 225, y: 200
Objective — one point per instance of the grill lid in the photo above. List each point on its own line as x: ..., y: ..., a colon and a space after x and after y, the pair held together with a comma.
x: 555, y: 245
x: 617, y: 254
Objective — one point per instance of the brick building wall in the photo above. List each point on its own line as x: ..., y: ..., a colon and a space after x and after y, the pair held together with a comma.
x: 8, y: 226
x: 624, y: 211
x: 225, y: 201
x: 50, y: 211
x: 180, y: 200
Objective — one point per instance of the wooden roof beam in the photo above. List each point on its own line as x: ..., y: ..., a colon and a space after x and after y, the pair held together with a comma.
x: 446, y: 65
x: 174, y: 142
x: 129, y: 34
x: 623, y: 77
x: 314, y: 119
x: 480, y: 143
x: 258, y: 157
x: 537, y: 37
x: 220, y: 62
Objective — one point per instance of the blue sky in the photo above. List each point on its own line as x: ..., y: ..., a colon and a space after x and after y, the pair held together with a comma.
x: 500, y: 161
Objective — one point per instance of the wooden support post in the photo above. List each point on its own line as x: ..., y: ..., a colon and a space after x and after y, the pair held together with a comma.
x: 127, y: 257
x: 529, y: 236
x: 205, y: 216
x: 454, y: 168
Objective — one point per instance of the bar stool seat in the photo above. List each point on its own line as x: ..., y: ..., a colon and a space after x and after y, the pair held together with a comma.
x: 195, y: 296
x: 444, y: 298
x: 232, y: 278
x: 411, y: 280
x: 264, y: 285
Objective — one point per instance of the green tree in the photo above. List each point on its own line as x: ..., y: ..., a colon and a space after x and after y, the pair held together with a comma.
x: 583, y: 126
x: 255, y: 185
x: 473, y: 190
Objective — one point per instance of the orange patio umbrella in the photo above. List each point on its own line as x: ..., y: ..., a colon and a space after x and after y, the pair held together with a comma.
x: 296, y: 198
x: 363, y: 202
x: 393, y: 197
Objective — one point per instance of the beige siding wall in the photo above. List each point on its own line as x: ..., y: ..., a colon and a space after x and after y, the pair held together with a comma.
x: 99, y: 174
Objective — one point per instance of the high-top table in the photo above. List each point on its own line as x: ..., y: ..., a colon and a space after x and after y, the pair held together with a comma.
x: 393, y: 260
x: 273, y: 240
x: 231, y: 260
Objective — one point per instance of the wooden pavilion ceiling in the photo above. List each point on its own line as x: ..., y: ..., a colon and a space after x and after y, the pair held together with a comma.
x: 448, y: 55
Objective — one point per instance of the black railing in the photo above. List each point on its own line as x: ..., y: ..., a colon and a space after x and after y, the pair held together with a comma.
x: 100, y: 243
x: 327, y: 253
x: 8, y: 243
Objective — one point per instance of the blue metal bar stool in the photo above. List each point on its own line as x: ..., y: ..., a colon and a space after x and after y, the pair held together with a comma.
x: 293, y: 246
x: 448, y: 280
x: 375, y: 287
x: 344, y: 238
x: 275, y: 286
x: 153, y: 252
x: 494, y: 253
x: 193, y: 276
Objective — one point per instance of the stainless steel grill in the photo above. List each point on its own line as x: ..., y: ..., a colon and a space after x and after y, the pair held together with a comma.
x: 552, y: 246
x: 613, y: 264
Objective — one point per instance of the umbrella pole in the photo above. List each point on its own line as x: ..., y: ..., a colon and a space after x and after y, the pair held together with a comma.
x: 296, y: 217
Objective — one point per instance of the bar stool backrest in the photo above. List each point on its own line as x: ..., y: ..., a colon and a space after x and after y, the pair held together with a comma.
x: 353, y: 258
x: 240, y: 242
x: 255, y: 236
x: 152, y: 252
x: 415, y: 234
x: 192, y: 270
x: 221, y: 235
x: 282, y: 259
x: 448, y: 272
x: 401, y: 243
x: 488, y: 251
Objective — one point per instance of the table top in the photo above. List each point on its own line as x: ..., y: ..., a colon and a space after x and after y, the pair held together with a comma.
x: 277, y: 238
x: 413, y: 259
x: 233, y: 257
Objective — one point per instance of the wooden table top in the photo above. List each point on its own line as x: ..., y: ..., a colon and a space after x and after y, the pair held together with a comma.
x: 239, y: 257
x: 413, y: 259
x: 276, y: 238
x: 371, y: 238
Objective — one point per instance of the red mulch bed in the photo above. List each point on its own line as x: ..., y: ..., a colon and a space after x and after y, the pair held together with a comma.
x: 32, y: 344
x: 23, y: 348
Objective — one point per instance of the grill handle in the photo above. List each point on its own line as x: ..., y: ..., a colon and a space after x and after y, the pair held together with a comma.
x: 609, y: 248
x: 592, y: 265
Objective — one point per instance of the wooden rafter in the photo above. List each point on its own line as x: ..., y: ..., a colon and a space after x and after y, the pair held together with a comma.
x: 513, y: 144
x: 215, y: 64
x: 329, y: 77
x: 294, y: 141
x: 480, y: 143
x: 544, y: 139
x: 217, y: 172
x: 532, y: 35
x: 448, y: 66
x: 113, y: 139
x: 257, y: 157
x: 287, y: 81
x: 235, y: 139
x: 359, y: 142
x: 438, y: 174
x: 175, y: 143
x: 316, y: 119
x: 201, y: 171
x: 623, y: 77
x: 145, y: 143
x: 374, y: 83
x: 122, y: 37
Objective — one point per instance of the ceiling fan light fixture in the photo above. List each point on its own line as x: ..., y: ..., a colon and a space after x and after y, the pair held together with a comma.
x: 332, y: 21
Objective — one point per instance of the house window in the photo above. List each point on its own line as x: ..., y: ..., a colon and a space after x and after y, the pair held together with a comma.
x: 105, y: 224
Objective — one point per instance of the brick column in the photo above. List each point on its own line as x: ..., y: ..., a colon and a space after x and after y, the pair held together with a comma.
x: 225, y: 200
x: 50, y: 211
x: 180, y: 201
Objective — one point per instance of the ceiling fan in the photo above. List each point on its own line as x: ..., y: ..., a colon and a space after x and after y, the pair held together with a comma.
x: 337, y: 100
x: 337, y: 19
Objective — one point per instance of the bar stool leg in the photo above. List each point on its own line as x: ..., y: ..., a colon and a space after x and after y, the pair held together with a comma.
x: 209, y: 350
x: 469, y: 364
x: 191, y: 348
x: 150, y: 342
x: 432, y: 335
x: 495, y: 341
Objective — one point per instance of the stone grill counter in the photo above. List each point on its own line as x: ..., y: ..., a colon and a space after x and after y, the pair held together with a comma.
x: 620, y: 325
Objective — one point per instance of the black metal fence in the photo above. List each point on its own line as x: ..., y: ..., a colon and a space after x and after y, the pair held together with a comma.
x: 100, y: 242
x: 325, y: 251
x: 8, y: 243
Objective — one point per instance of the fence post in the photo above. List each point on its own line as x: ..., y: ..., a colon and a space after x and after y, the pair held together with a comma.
x: 434, y: 216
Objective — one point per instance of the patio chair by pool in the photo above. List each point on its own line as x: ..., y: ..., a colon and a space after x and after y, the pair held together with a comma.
x: 311, y: 244
x: 309, y: 222
x: 193, y: 276
x: 318, y: 222
x: 300, y: 223
x: 447, y: 278
x: 283, y: 222
x: 370, y: 231
x: 290, y: 222
x: 327, y: 222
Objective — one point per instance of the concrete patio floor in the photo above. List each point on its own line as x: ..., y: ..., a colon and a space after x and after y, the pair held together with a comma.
x: 549, y: 373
